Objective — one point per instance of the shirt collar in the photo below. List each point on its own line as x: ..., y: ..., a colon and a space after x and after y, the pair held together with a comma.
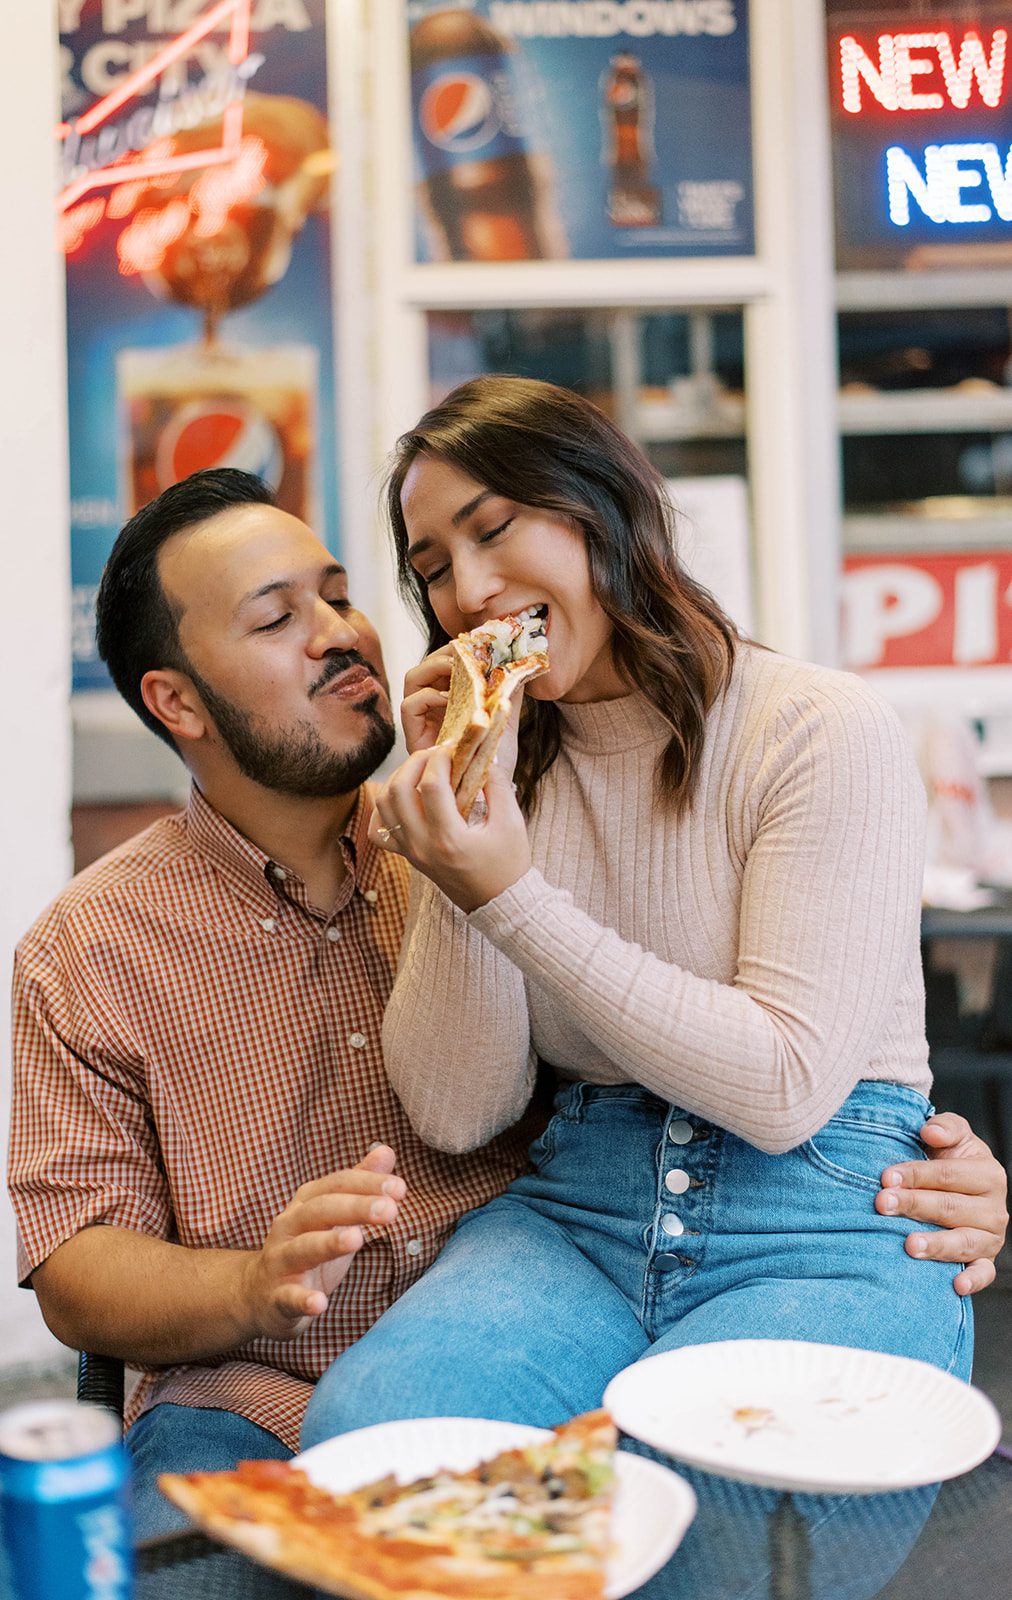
x: 248, y: 868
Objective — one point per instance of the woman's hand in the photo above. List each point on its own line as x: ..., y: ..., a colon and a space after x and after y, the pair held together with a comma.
x: 426, y: 688
x: 416, y: 815
x: 963, y: 1189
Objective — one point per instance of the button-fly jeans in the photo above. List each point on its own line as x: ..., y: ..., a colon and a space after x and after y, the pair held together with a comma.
x: 643, y: 1228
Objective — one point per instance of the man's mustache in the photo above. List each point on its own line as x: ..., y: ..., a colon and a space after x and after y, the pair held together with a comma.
x: 337, y: 664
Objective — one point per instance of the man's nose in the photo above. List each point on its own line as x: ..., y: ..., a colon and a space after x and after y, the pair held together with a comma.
x: 332, y: 630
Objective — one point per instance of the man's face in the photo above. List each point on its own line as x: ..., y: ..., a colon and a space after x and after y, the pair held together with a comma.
x: 289, y: 672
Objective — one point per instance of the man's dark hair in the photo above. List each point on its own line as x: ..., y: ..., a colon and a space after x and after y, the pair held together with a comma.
x: 137, y: 627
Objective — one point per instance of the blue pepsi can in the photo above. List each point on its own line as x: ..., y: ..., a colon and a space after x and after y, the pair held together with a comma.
x: 64, y: 1510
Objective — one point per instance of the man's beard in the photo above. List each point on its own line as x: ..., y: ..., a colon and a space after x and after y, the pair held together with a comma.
x: 294, y: 760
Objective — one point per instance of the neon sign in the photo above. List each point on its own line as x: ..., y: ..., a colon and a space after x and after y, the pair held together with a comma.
x: 922, y: 147
x: 904, y: 58
x: 121, y: 142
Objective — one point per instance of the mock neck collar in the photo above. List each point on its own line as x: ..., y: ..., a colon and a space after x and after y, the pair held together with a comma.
x: 602, y: 727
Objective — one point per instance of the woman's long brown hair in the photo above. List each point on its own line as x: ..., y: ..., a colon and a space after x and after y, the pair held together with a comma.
x: 547, y: 447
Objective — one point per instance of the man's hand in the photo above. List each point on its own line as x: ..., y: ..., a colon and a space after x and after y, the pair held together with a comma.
x: 963, y: 1189
x: 312, y: 1244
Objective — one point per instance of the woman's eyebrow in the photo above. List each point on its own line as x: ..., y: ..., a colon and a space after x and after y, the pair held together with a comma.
x: 458, y: 517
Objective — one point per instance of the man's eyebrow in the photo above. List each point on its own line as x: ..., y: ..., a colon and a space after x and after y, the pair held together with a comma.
x: 334, y: 570
x: 458, y: 517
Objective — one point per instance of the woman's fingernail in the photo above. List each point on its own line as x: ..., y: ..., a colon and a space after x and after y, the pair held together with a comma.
x: 382, y: 1210
x: 890, y: 1203
x: 918, y: 1245
x: 892, y: 1179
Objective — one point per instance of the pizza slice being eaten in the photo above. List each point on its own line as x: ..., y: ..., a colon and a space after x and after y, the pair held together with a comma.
x: 530, y: 1524
x: 490, y: 664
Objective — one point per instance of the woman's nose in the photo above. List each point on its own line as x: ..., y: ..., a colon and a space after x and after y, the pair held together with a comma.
x: 476, y: 584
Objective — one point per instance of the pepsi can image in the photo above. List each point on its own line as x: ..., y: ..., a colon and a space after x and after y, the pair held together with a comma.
x: 64, y: 1511
x: 190, y: 407
x: 485, y: 195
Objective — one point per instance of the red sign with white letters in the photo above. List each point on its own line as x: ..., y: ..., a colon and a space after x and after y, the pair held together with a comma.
x: 951, y: 610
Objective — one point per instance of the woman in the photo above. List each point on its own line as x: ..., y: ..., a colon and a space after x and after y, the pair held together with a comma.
x: 699, y: 904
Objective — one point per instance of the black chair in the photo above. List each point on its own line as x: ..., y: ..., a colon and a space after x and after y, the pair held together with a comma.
x: 100, y: 1381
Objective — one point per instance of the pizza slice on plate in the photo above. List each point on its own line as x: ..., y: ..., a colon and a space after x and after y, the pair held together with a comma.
x: 529, y: 1524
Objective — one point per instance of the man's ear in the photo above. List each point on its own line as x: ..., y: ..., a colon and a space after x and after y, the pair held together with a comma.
x: 171, y: 697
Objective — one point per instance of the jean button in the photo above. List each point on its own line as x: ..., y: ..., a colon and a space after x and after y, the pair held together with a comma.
x: 676, y: 1181
x: 680, y: 1131
x: 672, y: 1224
x: 667, y: 1262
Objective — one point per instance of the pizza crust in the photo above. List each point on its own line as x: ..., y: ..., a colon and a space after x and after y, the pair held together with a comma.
x: 273, y: 1513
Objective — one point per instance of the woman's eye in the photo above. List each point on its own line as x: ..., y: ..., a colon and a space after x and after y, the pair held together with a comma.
x: 272, y: 627
x: 429, y: 578
x: 340, y: 605
x: 494, y: 532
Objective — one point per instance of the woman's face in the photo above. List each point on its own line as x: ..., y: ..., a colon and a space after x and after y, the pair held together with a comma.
x: 482, y: 555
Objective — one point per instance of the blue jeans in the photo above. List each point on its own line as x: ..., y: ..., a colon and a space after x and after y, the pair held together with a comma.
x: 642, y: 1228
x: 171, y: 1438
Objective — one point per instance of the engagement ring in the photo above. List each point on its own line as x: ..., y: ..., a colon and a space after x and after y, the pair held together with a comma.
x: 384, y: 835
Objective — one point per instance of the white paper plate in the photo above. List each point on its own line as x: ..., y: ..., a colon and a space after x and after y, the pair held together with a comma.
x: 653, y: 1507
x: 820, y: 1418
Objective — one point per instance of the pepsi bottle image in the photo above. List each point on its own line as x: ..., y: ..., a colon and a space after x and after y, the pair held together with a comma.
x: 627, y: 115
x: 485, y: 194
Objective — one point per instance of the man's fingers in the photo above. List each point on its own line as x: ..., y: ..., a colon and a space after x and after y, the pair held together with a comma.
x: 294, y: 1301
x: 949, y: 1244
x: 960, y: 1177
x: 308, y: 1251
x: 947, y: 1127
x: 337, y: 1211
x: 945, y: 1210
x: 975, y: 1276
x: 381, y: 1158
x: 369, y: 1181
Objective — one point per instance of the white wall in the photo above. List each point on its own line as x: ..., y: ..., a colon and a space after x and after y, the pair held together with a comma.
x: 35, y: 637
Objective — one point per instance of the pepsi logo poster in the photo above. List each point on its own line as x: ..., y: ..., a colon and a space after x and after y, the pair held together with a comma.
x: 580, y: 129
x: 195, y: 171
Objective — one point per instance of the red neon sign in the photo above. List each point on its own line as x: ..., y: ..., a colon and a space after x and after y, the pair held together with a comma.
x: 132, y: 171
x: 931, y: 70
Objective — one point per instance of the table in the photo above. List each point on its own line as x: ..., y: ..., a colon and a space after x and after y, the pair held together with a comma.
x: 745, y: 1544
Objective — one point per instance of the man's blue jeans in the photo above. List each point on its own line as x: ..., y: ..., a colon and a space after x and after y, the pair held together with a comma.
x: 641, y: 1229
x: 171, y: 1438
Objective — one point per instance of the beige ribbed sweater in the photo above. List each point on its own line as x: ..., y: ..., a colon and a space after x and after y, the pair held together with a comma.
x: 750, y: 960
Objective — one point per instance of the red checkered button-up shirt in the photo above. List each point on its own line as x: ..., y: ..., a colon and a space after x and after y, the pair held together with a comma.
x: 192, y: 1041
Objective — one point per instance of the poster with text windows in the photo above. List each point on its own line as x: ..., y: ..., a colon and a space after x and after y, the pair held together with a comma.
x: 576, y: 129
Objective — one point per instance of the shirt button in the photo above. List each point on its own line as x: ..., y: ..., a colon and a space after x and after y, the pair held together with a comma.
x: 676, y: 1181
x: 333, y: 934
x: 279, y: 873
x: 357, y: 1041
x: 268, y: 924
x: 413, y: 1247
x: 680, y: 1131
x: 371, y: 896
x: 672, y: 1224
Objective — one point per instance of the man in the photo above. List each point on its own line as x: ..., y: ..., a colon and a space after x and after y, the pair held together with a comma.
x: 204, y: 1143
